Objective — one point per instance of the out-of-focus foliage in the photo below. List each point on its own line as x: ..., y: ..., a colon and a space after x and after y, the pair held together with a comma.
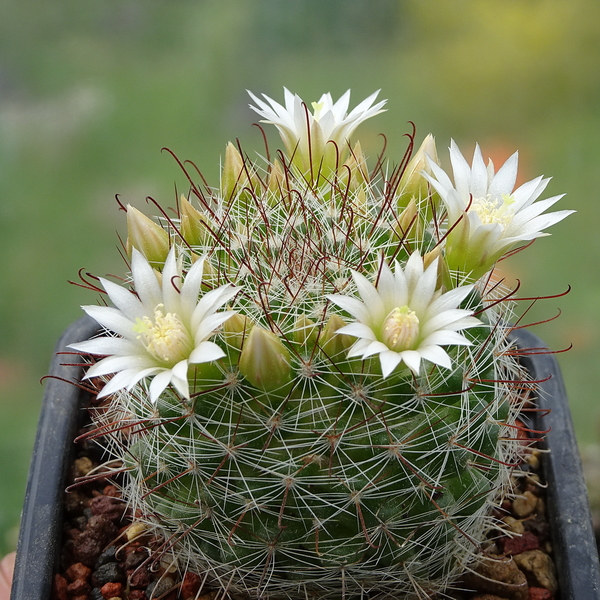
x: 91, y: 91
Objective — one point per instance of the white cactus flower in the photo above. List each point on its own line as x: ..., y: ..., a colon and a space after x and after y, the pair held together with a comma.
x: 404, y: 318
x: 486, y: 215
x: 160, y: 330
x: 328, y: 121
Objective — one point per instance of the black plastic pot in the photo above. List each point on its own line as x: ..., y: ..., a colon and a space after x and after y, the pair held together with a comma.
x: 38, y: 549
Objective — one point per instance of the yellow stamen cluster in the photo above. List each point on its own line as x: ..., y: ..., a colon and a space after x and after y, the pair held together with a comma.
x: 166, y: 338
x: 401, y: 329
x: 494, y: 210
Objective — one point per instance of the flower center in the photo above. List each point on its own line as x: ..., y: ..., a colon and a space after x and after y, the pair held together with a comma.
x: 494, y: 210
x: 166, y: 338
x: 401, y: 329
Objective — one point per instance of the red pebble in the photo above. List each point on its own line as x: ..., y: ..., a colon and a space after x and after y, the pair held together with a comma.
x: 190, y: 585
x: 111, y: 590
x: 139, y: 577
x: 137, y: 595
x: 59, y: 588
x: 536, y: 593
x: 107, y: 506
x: 73, y: 533
x: 79, y: 587
x: 78, y: 571
x: 523, y: 543
x: 112, y: 491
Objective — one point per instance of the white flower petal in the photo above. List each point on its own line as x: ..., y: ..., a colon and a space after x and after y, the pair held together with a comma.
x: 351, y: 305
x: 445, y: 337
x: 375, y: 347
x: 106, y: 345
x: 359, y: 330
x: 370, y: 296
x: 478, y: 184
x: 182, y: 386
x: 412, y: 359
x: 529, y: 192
x: 206, y: 352
x: 389, y: 361
x: 159, y: 384
x: 190, y: 290
x: 119, y: 381
x: 358, y: 347
x: 124, y: 300
x: 144, y: 280
x: 211, y: 302
x: 447, y: 319
x: 424, y: 289
x: 462, y: 171
x: 112, y: 364
x: 436, y: 355
x: 504, y: 180
x: 449, y: 300
x: 210, y: 324
x: 172, y: 283
x: 112, y: 319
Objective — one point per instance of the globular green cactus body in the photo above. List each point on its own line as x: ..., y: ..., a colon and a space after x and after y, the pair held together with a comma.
x: 320, y: 478
x: 314, y: 395
x: 340, y: 485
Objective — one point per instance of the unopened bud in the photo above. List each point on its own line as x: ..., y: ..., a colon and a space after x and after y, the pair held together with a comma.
x: 305, y: 331
x: 146, y: 236
x: 333, y: 343
x: 413, y: 184
x: 265, y: 361
x: 444, y: 279
x: 408, y: 222
x: 431, y: 256
x: 235, y: 173
x: 276, y: 180
x: 193, y: 224
x: 235, y: 330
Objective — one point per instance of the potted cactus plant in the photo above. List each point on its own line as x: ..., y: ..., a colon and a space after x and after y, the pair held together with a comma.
x: 308, y: 381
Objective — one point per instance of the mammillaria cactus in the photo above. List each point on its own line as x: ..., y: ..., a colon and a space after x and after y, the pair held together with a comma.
x: 314, y: 394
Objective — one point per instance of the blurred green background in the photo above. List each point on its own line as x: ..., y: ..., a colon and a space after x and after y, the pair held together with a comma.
x: 91, y: 91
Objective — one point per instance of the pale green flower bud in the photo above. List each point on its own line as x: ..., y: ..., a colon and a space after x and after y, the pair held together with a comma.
x: 305, y: 331
x: 146, y: 236
x: 409, y: 222
x: 193, y: 224
x: 276, y: 180
x: 333, y: 343
x: 413, y: 184
x: 236, y: 329
x: 265, y: 361
x: 444, y: 278
x: 234, y: 177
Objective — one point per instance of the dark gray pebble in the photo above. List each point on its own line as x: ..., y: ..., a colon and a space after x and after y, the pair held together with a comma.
x: 95, y: 594
x: 106, y: 557
x: 109, y: 572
